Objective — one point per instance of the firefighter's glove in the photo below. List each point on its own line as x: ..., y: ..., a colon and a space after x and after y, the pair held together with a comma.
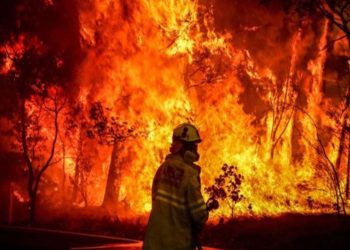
x: 212, y: 204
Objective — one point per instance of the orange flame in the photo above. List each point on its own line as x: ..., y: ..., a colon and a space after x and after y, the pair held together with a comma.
x: 161, y: 63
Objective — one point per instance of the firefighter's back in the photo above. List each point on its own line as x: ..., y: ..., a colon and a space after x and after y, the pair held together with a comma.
x: 169, y: 225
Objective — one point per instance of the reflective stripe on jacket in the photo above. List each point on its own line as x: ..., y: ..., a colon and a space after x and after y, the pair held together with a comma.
x: 178, y: 208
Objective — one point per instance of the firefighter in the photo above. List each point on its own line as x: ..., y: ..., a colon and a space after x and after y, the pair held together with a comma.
x: 178, y: 209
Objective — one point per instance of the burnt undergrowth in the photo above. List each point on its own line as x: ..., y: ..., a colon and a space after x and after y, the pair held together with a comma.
x: 289, y: 231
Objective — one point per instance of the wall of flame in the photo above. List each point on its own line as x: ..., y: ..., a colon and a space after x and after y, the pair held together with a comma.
x: 161, y: 63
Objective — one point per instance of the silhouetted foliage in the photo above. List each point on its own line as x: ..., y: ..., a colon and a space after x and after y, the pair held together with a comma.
x: 227, y: 187
x: 110, y: 130
x: 107, y: 129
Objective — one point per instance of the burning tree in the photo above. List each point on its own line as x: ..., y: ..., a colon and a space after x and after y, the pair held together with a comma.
x: 326, y: 165
x: 34, y: 70
x: 40, y: 104
x: 109, y: 130
x: 76, y: 140
x: 337, y: 14
x: 34, y: 141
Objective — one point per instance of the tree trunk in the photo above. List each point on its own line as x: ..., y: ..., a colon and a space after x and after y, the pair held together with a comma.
x: 32, y: 207
x: 78, y: 168
x: 75, y: 181
x: 63, y: 173
x: 348, y: 169
x: 273, y: 138
x: 111, y: 193
x: 272, y: 150
x: 339, y: 195
x: 341, y: 144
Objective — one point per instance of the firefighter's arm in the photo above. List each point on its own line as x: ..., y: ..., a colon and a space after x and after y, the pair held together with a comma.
x: 156, y: 182
x: 196, y: 204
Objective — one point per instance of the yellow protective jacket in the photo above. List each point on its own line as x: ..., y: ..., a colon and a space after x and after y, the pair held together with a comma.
x: 178, y: 208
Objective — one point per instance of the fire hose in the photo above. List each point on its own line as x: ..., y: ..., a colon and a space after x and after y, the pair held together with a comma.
x: 212, y: 204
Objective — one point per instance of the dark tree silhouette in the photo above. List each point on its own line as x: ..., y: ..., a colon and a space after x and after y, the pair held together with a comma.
x: 38, y: 100
x: 76, y: 139
x: 227, y: 187
x: 35, y: 67
x: 337, y: 12
x: 110, y: 130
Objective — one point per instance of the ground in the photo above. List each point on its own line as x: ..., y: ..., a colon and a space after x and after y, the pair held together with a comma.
x: 292, y: 231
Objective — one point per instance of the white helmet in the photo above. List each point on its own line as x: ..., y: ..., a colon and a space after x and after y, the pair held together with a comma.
x: 186, y: 132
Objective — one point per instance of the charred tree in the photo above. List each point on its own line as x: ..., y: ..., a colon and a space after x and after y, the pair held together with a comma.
x: 341, y: 143
x: 283, y: 111
x: 77, y: 180
x: 40, y: 65
x: 76, y: 126
x: 30, y: 139
x: 111, y: 191
x: 110, y: 130
x: 347, y: 184
x: 325, y: 164
x: 38, y: 102
x: 338, y: 13
x: 63, y: 184
x: 83, y: 167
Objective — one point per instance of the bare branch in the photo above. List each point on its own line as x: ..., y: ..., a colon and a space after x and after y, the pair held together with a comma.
x: 53, y: 146
x: 344, y: 7
x: 331, y: 16
x: 333, y: 174
x: 55, y: 162
x: 333, y: 41
x: 285, y: 127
